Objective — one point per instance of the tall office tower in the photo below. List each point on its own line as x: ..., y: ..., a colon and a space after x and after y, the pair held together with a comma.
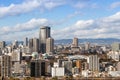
x: 93, y: 61
x: 5, y: 62
x: 75, y: 42
x: 37, y: 68
x: 49, y: 45
x: 31, y: 45
x: 68, y: 67
x: 26, y: 41
x: 2, y: 44
x: 35, y: 45
x: 43, y: 35
x: 115, y: 46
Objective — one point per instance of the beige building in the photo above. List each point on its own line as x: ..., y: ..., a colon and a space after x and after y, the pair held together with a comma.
x: 5, y: 62
x: 35, y: 45
x: 49, y: 45
x: 2, y: 44
x: 75, y: 42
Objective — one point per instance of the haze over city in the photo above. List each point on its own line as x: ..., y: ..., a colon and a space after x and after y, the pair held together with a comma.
x: 67, y: 18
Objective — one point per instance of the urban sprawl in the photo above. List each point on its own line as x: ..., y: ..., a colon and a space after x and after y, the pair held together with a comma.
x: 41, y: 59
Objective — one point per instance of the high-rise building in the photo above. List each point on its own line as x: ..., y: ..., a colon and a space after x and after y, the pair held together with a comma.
x: 30, y: 45
x: 35, y: 45
x: 116, y: 46
x: 93, y: 63
x: 5, y: 62
x: 26, y: 41
x: 37, y: 68
x: 49, y: 45
x: 43, y: 35
x: 75, y: 42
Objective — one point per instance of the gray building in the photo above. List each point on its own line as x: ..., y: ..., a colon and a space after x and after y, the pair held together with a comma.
x: 49, y: 45
x: 35, y: 45
x: 37, y: 68
x: 43, y: 35
x: 75, y: 42
x: 68, y: 67
x: 26, y: 41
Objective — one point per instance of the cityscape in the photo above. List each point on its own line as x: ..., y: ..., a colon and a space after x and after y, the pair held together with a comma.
x: 41, y: 58
x: 35, y: 43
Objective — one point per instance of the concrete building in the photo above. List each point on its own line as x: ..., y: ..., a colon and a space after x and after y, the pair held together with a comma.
x: 31, y: 44
x: 2, y: 44
x: 43, y: 35
x: 35, y: 45
x: 116, y: 46
x: 75, y: 42
x: 118, y: 66
x: 58, y: 71
x: 16, y: 55
x: 68, y: 67
x: 37, y: 68
x: 93, y: 63
x: 87, y: 46
x: 49, y: 45
x: 75, y: 70
x: 26, y: 41
x: 5, y: 62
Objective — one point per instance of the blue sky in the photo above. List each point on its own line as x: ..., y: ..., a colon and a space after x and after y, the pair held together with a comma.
x: 67, y: 18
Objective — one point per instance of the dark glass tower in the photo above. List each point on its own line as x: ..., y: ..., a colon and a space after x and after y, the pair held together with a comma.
x: 43, y: 35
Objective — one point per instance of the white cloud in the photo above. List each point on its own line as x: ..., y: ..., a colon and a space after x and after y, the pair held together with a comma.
x: 27, y: 6
x: 107, y: 27
x: 115, y: 5
x: 28, y: 26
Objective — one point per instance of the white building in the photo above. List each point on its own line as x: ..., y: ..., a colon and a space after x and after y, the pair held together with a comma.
x: 93, y: 63
x: 58, y: 71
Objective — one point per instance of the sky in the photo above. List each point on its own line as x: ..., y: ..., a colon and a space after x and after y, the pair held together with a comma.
x: 67, y: 18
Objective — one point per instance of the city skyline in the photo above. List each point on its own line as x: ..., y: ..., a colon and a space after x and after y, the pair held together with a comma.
x: 67, y: 19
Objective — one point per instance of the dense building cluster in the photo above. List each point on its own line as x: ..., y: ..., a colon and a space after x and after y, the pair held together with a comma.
x: 38, y: 57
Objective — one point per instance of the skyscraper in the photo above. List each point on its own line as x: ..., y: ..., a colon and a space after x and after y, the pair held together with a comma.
x: 49, y: 45
x: 75, y: 42
x: 43, y: 35
x: 35, y: 45
x: 26, y: 41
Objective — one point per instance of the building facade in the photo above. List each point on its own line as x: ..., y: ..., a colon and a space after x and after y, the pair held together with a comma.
x: 37, y: 68
x: 43, y: 35
x: 6, y: 64
x: 49, y: 45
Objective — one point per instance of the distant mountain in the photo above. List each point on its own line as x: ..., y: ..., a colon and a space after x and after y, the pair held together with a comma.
x: 69, y: 41
x: 98, y: 41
